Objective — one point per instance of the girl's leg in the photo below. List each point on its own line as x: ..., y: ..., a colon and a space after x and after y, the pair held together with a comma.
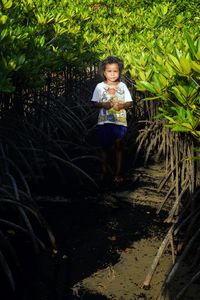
x: 119, y: 160
x: 104, y: 162
x: 120, y: 132
x: 106, y: 139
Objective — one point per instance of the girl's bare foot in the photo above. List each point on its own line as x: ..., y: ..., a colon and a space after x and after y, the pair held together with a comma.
x: 118, y: 179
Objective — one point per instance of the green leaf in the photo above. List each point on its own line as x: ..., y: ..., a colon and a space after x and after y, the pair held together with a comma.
x: 4, y: 33
x: 152, y: 98
x: 21, y: 59
x: 185, y: 65
x: 175, y: 62
x: 146, y: 86
x: 190, y: 43
x: 7, y: 4
x: 3, y: 19
x: 170, y: 119
x: 179, y: 128
x: 175, y: 90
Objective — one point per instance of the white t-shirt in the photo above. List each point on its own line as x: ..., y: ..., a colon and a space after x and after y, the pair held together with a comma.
x: 122, y: 94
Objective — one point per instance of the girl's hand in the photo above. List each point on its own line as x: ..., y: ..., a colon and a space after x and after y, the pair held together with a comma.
x: 118, y: 106
x: 107, y: 105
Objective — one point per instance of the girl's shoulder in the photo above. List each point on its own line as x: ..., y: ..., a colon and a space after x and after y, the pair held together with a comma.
x: 100, y: 85
x: 122, y: 84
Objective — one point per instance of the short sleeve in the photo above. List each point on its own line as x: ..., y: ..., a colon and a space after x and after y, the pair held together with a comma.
x: 96, y: 95
x: 127, y: 94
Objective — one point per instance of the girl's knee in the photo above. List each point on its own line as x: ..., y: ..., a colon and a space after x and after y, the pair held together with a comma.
x: 119, y: 145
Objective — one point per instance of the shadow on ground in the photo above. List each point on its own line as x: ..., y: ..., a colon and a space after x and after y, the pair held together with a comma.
x: 92, y: 231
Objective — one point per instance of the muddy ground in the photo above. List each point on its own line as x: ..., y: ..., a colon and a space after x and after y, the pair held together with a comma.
x: 107, y: 242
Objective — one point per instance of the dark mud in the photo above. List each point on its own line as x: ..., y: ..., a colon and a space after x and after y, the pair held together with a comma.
x: 91, y: 234
x: 106, y: 242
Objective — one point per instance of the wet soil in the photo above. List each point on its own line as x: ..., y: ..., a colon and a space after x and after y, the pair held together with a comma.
x: 106, y: 243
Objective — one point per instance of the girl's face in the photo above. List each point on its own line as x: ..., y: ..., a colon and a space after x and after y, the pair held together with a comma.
x: 111, y: 73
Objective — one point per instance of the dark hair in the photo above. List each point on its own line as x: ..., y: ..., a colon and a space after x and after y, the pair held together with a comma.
x: 111, y: 60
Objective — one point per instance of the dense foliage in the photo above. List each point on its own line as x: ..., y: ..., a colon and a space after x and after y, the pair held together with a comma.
x: 159, y: 42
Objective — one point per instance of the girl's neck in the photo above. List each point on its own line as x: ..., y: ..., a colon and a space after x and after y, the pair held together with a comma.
x: 110, y: 83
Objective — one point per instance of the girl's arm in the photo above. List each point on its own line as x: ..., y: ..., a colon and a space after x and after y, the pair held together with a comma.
x: 105, y: 105
x: 122, y: 105
x: 127, y: 104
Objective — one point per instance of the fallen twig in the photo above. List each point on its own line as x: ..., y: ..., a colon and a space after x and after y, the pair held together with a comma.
x: 165, y: 242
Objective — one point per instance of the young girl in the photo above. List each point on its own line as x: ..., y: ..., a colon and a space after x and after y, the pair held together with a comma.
x: 112, y: 98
